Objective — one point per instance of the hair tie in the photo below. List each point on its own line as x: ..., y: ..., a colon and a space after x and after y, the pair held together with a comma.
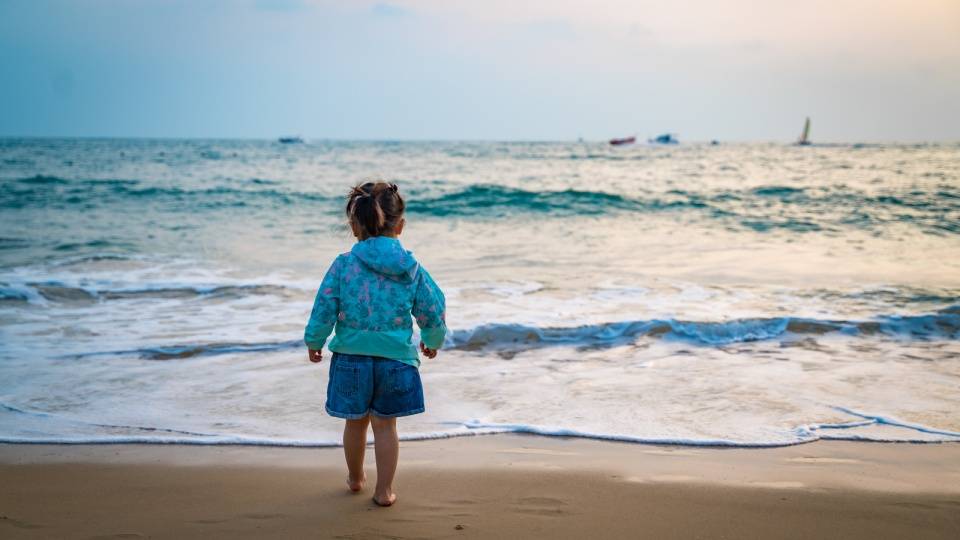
x: 359, y: 192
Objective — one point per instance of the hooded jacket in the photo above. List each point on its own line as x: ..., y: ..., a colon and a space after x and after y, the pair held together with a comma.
x: 369, y: 295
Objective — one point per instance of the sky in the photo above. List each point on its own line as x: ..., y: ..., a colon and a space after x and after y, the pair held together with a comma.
x: 735, y: 70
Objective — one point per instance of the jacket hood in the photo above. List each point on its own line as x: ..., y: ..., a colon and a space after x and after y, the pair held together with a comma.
x: 385, y: 255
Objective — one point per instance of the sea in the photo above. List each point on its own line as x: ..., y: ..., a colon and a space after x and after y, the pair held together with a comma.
x: 764, y: 294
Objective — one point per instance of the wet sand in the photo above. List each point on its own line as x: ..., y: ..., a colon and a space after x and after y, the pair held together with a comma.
x: 503, y: 486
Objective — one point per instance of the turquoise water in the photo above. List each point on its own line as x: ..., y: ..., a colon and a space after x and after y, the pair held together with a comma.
x: 750, y: 294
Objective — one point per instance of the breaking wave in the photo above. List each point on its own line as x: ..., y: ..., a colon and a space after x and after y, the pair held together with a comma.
x: 44, y: 292
x: 762, y: 209
x: 942, y: 325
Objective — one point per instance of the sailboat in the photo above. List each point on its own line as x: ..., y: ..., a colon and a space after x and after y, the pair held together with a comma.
x: 804, y: 139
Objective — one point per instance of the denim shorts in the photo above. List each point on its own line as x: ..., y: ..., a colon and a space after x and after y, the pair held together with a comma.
x: 360, y: 385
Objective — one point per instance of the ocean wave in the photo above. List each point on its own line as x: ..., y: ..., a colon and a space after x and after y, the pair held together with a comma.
x: 894, y: 295
x: 13, y: 243
x: 497, y: 201
x: 62, y: 193
x: 16, y: 292
x: 514, y: 338
x: 41, y: 180
x: 95, y: 258
x: 190, y: 350
x: 42, y: 293
x: 92, y: 244
x: 944, y: 324
x: 762, y: 209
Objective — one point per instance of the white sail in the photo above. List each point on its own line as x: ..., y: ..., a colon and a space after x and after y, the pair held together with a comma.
x: 805, y: 136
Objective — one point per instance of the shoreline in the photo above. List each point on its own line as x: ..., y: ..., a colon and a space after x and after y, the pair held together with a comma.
x: 497, y: 430
x: 503, y: 485
x: 240, y: 442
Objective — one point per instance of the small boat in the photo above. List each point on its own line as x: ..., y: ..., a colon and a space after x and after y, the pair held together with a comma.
x: 804, y: 139
x: 666, y: 138
x: 290, y: 140
x: 623, y: 141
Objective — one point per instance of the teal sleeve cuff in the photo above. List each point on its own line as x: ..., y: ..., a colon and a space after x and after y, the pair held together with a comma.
x: 433, y: 337
x: 315, y: 345
x: 316, y: 338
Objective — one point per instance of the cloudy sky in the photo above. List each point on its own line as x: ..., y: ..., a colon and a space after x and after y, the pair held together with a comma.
x: 864, y: 70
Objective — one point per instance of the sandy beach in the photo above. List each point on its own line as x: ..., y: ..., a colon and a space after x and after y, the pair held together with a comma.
x: 503, y: 486
x: 617, y: 270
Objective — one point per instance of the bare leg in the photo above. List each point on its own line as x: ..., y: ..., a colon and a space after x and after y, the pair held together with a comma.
x: 387, y: 448
x: 354, y: 446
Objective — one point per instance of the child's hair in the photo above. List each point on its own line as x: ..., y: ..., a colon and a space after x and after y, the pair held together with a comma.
x: 374, y: 208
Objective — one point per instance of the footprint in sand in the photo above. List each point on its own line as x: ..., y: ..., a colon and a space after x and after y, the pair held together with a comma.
x: 442, y: 506
x: 541, y: 506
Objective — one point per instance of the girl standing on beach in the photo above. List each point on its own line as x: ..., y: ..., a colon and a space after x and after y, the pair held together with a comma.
x: 368, y: 296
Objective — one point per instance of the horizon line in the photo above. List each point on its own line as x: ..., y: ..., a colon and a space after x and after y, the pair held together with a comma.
x: 478, y: 140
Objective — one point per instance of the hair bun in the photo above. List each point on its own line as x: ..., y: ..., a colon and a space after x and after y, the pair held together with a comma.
x: 374, y: 207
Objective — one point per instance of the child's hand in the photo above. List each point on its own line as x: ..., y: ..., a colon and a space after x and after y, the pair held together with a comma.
x: 428, y: 352
x: 314, y: 355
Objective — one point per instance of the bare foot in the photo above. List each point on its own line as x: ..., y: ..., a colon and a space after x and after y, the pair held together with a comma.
x: 385, y: 501
x: 356, y: 485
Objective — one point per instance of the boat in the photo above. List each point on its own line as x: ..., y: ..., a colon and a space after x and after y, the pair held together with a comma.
x: 804, y: 139
x: 666, y: 138
x: 290, y: 140
x: 623, y: 141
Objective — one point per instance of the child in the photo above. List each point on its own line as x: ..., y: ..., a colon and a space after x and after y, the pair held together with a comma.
x: 369, y: 295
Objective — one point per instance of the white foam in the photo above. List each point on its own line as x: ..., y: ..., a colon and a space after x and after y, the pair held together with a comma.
x: 890, y: 421
x: 804, y: 435
x: 801, y: 436
x: 232, y: 399
x: 734, y: 376
x: 12, y: 290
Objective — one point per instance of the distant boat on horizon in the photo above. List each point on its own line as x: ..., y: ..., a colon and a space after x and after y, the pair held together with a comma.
x: 666, y: 138
x: 290, y: 140
x: 804, y: 139
x: 623, y: 141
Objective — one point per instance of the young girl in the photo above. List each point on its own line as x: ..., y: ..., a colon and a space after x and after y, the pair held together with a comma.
x: 368, y: 295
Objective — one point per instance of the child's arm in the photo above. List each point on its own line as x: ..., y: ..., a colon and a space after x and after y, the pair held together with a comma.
x: 326, y: 307
x: 429, y: 310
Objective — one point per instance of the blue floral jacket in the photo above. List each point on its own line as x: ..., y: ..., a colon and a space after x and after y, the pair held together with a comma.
x: 369, y: 296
